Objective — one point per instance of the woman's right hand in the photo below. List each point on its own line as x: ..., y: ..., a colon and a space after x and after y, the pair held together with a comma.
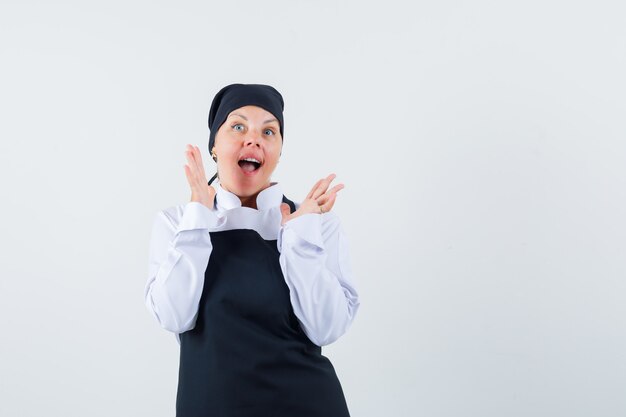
x: 201, y: 192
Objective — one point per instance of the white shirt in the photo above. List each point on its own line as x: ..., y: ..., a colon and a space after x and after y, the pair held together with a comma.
x: 313, y: 258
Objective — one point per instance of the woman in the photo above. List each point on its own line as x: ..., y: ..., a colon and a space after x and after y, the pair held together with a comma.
x: 251, y: 283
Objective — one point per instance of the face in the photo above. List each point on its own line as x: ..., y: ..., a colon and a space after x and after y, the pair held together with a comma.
x: 252, y: 133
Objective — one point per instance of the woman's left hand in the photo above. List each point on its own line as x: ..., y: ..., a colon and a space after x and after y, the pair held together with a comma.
x: 317, y: 201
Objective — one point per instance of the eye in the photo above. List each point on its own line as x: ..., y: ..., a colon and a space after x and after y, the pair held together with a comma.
x: 271, y: 132
x: 237, y: 125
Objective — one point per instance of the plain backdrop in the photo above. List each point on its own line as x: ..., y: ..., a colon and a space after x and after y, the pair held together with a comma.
x: 482, y: 146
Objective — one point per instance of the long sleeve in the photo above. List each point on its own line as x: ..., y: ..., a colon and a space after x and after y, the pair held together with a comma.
x: 180, y: 248
x: 315, y: 262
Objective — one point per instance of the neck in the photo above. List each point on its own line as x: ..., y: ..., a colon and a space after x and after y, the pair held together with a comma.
x: 249, y: 201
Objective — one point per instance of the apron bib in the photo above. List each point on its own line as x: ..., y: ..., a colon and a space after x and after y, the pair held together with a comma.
x: 247, y: 355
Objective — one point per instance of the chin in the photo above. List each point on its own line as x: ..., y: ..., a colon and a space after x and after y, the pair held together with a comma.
x: 246, y: 187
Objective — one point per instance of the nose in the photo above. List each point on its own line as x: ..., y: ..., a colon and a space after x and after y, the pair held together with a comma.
x: 252, y: 138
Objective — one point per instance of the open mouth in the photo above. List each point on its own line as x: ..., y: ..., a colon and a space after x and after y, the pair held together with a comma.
x: 249, y: 165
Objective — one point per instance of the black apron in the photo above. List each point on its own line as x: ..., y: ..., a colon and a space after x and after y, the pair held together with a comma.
x: 247, y: 355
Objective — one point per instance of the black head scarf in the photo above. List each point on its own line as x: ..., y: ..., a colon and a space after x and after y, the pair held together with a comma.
x: 234, y: 96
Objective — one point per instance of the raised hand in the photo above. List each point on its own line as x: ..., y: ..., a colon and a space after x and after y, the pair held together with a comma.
x: 201, y: 192
x: 319, y: 200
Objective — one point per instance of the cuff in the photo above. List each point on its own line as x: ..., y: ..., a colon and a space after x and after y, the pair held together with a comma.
x: 198, y: 216
x: 307, y: 227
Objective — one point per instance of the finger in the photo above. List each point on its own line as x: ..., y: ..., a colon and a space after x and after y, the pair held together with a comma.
x: 284, y: 211
x: 325, y: 199
x: 310, y: 195
x: 335, y: 189
x: 192, y: 166
x: 318, y: 184
x: 201, y: 171
x: 198, y: 157
x: 323, y: 204
x: 315, y: 192
x: 190, y: 162
x: 195, y: 165
x: 321, y: 189
x: 326, y: 207
x: 194, y: 155
x: 189, y: 176
x: 189, y: 149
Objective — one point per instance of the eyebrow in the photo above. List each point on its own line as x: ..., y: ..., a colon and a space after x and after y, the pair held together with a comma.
x: 246, y: 119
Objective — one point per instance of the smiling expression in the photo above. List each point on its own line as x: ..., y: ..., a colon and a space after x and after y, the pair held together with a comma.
x: 248, y: 145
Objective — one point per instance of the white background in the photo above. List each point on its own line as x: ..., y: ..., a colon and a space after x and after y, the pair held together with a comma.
x: 482, y: 148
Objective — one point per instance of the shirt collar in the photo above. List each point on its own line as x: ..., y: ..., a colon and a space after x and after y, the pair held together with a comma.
x: 271, y: 196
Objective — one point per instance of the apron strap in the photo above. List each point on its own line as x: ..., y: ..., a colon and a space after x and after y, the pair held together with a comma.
x: 291, y: 204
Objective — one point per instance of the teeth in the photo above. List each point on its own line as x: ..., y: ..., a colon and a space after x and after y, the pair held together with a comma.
x: 251, y: 160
